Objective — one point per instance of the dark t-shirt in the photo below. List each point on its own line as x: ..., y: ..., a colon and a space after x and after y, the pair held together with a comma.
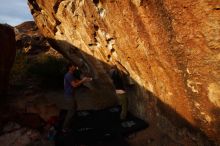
x: 68, y: 88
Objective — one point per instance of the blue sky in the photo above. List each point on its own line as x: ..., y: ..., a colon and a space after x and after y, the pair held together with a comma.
x: 14, y: 12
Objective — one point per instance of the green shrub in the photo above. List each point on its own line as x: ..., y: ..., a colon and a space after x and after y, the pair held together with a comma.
x: 44, y: 70
x: 49, y: 70
x: 19, y: 70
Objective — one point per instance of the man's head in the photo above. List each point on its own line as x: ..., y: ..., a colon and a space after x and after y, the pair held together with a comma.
x: 71, y: 67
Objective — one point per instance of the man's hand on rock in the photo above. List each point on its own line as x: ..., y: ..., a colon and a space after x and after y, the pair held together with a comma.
x: 86, y: 79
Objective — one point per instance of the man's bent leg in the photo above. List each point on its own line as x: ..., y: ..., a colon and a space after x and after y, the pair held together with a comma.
x: 70, y: 116
x: 69, y: 119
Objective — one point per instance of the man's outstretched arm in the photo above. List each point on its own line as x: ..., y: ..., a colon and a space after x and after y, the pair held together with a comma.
x: 76, y: 83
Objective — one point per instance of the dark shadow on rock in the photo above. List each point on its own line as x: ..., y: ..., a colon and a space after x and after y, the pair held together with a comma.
x: 7, y: 56
x: 164, y: 109
x: 89, y: 66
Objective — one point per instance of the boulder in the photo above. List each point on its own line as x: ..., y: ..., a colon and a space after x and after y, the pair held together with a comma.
x: 7, y: 55
x: 29, y: 39
x: 168, y: 51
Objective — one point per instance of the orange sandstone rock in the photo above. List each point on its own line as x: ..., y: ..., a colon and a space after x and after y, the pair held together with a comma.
x: 170, y: 49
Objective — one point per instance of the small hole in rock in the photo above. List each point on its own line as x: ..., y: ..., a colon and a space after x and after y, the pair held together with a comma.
x: 216, y: 8
x: 96, y: 27
x: 96, y: 2
x: 112, y: 50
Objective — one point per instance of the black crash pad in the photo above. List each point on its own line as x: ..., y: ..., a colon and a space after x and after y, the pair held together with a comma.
x: 103, y: 125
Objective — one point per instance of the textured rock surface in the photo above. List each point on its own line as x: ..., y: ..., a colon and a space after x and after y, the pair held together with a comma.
x: 169, y: 48
x: 15, y: 135
x: 7, y: 55
x: 29, y: 39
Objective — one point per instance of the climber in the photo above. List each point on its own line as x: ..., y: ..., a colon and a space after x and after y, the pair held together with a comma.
x: 71, y: 82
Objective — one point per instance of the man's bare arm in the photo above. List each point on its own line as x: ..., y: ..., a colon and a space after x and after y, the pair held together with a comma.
x: 76, y: 83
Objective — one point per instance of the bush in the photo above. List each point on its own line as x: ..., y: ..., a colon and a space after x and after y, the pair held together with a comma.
x: 49, y: 70
x: 44, y: 70
x: 19, y: 70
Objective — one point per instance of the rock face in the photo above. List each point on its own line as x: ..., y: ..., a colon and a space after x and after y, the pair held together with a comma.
x: 29, y: 39
x: 170, y: 50
x: 7, y: 55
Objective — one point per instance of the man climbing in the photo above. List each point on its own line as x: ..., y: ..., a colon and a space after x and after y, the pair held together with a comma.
x: 71, y: 82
